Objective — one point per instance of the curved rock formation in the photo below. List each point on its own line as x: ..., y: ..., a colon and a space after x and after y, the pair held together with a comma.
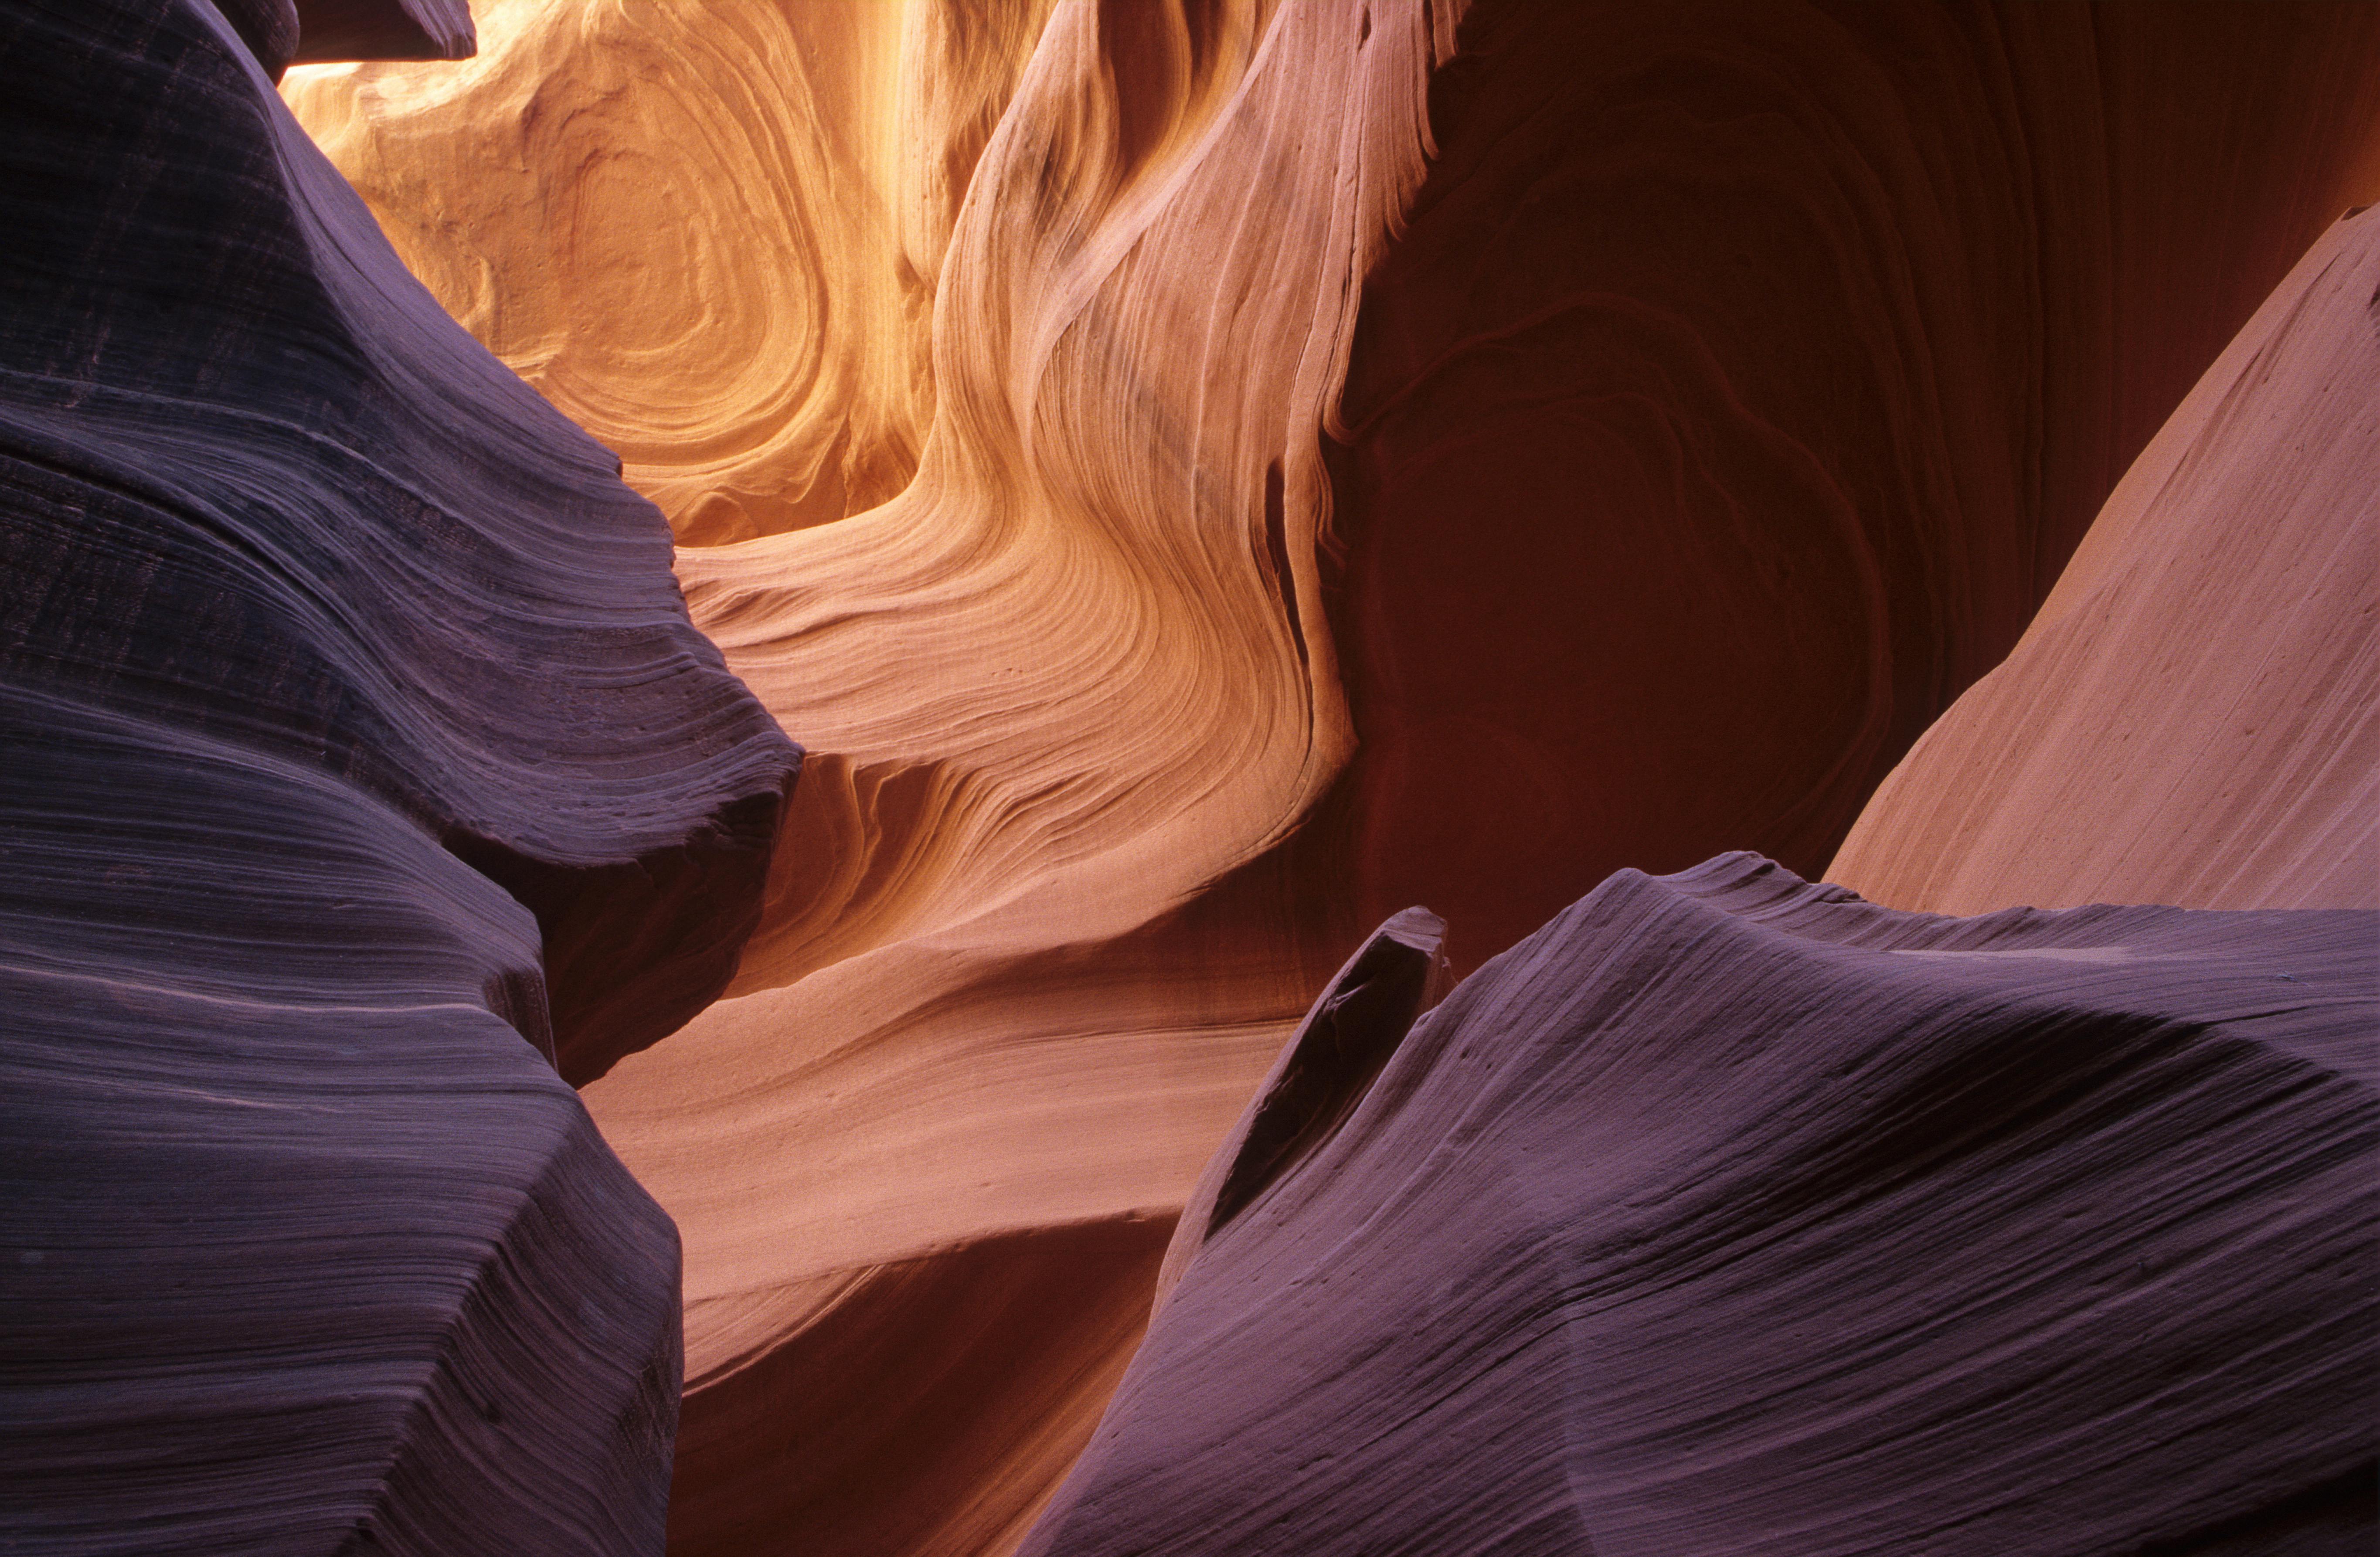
x: 1324, y: 1070
x: 1731, y: 1214
x: 313, y: 607
x: 302, y: 1247
x: 710, y: 233
x: 1745, y: 375
x: 1070, y: 677
x: 2194, y: 715
x: 456, y: 606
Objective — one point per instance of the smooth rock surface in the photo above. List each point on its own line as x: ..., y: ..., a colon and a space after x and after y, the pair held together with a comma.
x: 1071, y: 680
x: 347, y: 711
x: 304, y: 1246
x: 2194, y: 715
x: 1730, y: 1214
x: 1744, y: 377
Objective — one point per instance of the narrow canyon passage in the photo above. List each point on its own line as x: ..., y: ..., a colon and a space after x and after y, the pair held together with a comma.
x: 894, y: 584
x: 1574, y: 566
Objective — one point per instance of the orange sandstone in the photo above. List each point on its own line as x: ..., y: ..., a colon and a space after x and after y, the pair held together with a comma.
x: 980, y: 356
x: 2195, y: 716
x: 709, y: 232
x: 1074, y: 675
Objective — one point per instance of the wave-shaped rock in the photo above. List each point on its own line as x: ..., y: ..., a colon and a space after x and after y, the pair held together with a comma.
x: 271, y: 493
x: 2194, y: 715
x: 1836, y: 321
x: 1731, y: 1214
x: 302, y: 1247
x: 1071, y: 676
x: 1762, y: 364
x: 360, y: 767
x: 693, y: 227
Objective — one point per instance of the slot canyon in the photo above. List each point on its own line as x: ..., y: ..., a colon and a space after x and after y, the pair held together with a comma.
x: 947, y: 778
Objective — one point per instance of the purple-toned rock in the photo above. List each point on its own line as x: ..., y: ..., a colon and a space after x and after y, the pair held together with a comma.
x: 357, y: 767
x: 1733, y: 1214
x: 258, y: 484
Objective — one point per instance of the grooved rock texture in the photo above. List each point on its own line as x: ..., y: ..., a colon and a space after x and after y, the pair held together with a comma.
x: 709, y: 232
x: 359, y: 766
x: 1762, y: 363
x: 1324, y: 1069
x: 1071, y: 679
x: 1741, y: 380
x: 264, y: 489
x: 2194, y: 715
x: 1730, y: 1214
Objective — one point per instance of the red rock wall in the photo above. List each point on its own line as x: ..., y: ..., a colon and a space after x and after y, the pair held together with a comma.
x: 1743, y: 379
x: 1720, y: 405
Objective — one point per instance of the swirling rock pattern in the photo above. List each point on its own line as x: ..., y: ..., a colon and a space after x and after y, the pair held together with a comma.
x: 1762, y: 364
x: 313, y: 607
x: 1072, y: 676
x: 692, y: 228
x: 2194, y: 715
x: 1733, y: 1214
x: 1738, y: 382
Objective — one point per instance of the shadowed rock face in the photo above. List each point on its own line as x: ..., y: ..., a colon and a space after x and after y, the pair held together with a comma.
x: 1714, y: 410
x: 302, y: 1247
x: 305, y: 1245
x: 917, y: 1396
x: 280, y: 32
x: 1323, y: 1072
x: 1729, y: 1215
x: 329, y: 29
x: 1743, y: 378
x: 1067, y: 680
x: 266, y: 491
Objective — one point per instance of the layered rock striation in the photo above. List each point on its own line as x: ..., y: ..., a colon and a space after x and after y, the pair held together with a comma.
x: 710, y: 234
x: 364, y: 786
x: 1720, y: 405
x: 1730, y: 1213
x: 1073, y: 676
x: 2194, y: 715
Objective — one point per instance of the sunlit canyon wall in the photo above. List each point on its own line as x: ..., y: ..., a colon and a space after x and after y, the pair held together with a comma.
x: 1197, y: 478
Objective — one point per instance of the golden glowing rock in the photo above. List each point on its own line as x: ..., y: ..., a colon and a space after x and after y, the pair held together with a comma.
x: 1073, y: 674
x: 708, y: 233
x: 979, y: 355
